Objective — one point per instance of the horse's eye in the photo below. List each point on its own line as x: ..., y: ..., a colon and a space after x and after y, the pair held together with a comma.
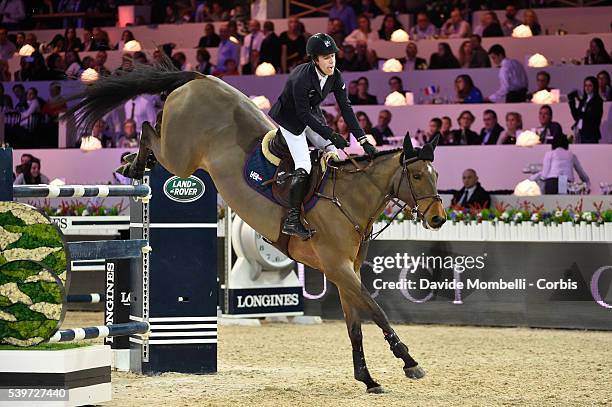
x: 416, y: 176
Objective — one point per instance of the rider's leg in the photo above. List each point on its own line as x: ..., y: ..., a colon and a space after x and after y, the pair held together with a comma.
x: 298, y: 147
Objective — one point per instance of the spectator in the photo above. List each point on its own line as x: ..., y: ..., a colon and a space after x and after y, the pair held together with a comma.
x: 444, y: 58
x: 6, y: 103
x: 293, y: 45
x: 57, y: 44
x: 514, y: 124
x: 352, y: 92
x: 75, y: 66
x: 588, y: 113
x: 456, y: 26
x: 381, y: 132
x: 412, y: 62
x: 100, y: 40
x: 478, y: 29
x: 344, y: 13
x: 445, y: 129
x: 367, y: 8
x: 57, y: 67
x: 558, y: 168
x: 5, y: 73
x: 363, y: 97
x: 56, y: 103
x: 480, y: 57
x: 33, y: 107
x: 89, y: 62
x: 424, y: 29
x: 126, y: 36
x: 140, y: 109
x: 466, y: 91
x: 364, y: 122
x: 88, y: 40
x: 356, y: 60
x: 548, y: 129
x: 19, y: 40
x: 511, y: 22
x: 7, y: 48
x: 73, y: 43
x: 465, y: 54
x: 129, y: 136
x: 101, y: 57
x: 249, y: 53
x: 492, y: 26
x: 396, y: 85
x: 492, y: 130
x: 464, y: 135
x: 232, y: 26
x: 605, y: 88
x: 210, y: 39
x: 217, y: 13
x: 531, y: 20
x: 270, y: 46
x: 181, y: 61
x: 239, y: 15
x: 597, y: 53
x: 542, y: 83
x: 25, y: 158
x: 389, y: 25
x: 31, y: 174
x: 435, y: 125
x: 21, y: 98
x: 204, y: 66
x: 12, y: 13
x: 93, y: 141
x: 362, y: 33
x: 472, y: 192
x: 230, y: 69
x: 171, y: 14
x: 335, y: 29
x: 512, y: 78
x: 227, y: 48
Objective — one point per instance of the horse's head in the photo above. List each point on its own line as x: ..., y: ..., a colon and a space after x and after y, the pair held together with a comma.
x: 416, y: 183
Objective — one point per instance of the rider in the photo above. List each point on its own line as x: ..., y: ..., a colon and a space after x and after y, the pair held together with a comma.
x: 298, y: 114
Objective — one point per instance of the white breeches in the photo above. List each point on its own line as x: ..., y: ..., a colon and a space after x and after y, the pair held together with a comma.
x: 298, y: 147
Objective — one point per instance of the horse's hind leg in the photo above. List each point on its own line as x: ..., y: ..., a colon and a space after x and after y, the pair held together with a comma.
x: 353, y: 324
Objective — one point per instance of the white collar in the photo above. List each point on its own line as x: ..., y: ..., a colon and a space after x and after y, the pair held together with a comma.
x: 319, y: 75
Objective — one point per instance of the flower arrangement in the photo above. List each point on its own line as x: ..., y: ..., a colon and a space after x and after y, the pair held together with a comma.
x: 524, y: 212
x: 92, y: 207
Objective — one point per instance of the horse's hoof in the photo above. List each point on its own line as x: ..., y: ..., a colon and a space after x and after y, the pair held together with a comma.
x: 130, y: 157
x: 415, y: 372
x: 123, y: 170
x: 376, y: 390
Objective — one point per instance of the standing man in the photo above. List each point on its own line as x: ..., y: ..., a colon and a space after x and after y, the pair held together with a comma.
x: 227, y: 48
x: 298, y: 114
x: 270, y: 50
x: 512, y: 77
x: 249, y: 53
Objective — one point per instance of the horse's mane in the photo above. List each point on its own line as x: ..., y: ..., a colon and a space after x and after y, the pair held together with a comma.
x: 364, y: 157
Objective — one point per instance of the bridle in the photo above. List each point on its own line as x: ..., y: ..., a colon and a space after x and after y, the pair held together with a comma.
x: 389, y: 197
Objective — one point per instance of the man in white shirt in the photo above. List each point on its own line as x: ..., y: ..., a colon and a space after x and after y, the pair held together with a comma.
x: 512, y: 78
x: 249, y: 53
x: 141, y: 108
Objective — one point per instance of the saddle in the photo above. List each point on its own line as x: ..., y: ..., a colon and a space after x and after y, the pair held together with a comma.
x: 274, y: 148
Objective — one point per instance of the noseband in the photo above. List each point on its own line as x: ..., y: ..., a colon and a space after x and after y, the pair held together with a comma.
x: 416, y: 199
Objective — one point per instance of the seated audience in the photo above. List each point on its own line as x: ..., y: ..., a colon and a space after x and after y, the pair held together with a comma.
x: 364, y: 121
x: 445, y: 130
x: 456, y: 26
x: 363, y: 97
x: 424, y: 29
x: 548, y: 129
x: 492, y: 26
x: 531, y: 20
x: 511, y: 22
x: 7, y: 48
x: 352, y: 91
x: 480, y: 57
x: 129, y: 136
x: 6, y: 103
x: 31, y: 174
x: 73, y: 61
x: 514, y: 125
x: 21, y: 98
x: 597, y: 53
x: 363, y: 32
x: 464, y: 135
x: 605, y: 87
x: 97, y: 139
x: 412, y: 62
x: 396, y: 85
x: 34, y: 106
x: 472, y: 192
x: 56, y: 66
x: 345, y: 13
x: 73, y: 43
x: 587, y: 113
x: 492, y: 130
x: 210, y: 39
x: 558, y: 168
x: 57, y: 103
x: 229, y: 69
x: 382, y: 131
x: 101, y: 57
x: 466, y: 91
x: 444, y: 58
x: 126, y: 36
x: 512, y: 78
x: 204, y: 66
x: 435, y: 125
x: 356, y: 59
x: 270, y: 46
x: 335, y: 29
x: 181, y: 61
x: 389, y: 25
x: 542, y: 83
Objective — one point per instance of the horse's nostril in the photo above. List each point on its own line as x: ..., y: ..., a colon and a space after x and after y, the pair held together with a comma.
x: 437, y: 221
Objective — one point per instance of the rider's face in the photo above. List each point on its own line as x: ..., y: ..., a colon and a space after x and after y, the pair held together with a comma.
x: 326, y: 63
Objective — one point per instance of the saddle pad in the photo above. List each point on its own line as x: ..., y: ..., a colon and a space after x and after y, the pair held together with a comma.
x: 257, y: 170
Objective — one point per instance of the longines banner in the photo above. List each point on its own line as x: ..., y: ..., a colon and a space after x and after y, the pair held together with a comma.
x: 564, y: 285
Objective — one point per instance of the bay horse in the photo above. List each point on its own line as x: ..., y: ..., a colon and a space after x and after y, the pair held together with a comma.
x: 208, y: 124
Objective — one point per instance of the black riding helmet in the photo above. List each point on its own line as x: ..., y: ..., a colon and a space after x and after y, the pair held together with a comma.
x: 320, y: 44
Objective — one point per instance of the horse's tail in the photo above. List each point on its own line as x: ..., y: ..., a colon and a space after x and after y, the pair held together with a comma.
x: 109, y: 92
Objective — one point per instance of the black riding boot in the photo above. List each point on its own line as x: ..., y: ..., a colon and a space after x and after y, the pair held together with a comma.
x: 293, y: 224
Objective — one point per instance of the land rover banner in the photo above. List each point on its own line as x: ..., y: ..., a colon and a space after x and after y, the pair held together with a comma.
x: 565, y: 285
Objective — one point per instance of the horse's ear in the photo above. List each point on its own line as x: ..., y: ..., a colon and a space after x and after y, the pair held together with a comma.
x: 434, y: 141
x: 409, y: 150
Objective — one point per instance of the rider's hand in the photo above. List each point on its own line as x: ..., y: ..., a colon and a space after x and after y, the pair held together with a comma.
x: 369, y: 149
x: 338, y: 141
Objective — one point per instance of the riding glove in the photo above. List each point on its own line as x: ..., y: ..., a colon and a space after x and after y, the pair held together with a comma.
x: 338, y: 141
x: 369, y: 148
